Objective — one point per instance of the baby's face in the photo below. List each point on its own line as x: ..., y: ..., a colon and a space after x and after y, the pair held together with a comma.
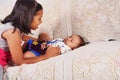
x: 72, y: 41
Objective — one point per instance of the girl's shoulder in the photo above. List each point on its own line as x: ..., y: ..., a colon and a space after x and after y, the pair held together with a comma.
x: 5, y: 27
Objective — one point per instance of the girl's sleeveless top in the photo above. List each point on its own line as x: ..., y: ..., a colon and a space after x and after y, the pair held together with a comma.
x: 4, y: 50
x: 3, y: 28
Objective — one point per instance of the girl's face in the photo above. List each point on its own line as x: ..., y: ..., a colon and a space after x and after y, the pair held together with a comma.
x: 37, y: 20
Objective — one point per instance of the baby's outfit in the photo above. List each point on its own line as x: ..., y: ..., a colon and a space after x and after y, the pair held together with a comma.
x: 35, y: 46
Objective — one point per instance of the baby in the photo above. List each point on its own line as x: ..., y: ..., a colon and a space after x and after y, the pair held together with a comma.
x: 36, y: 48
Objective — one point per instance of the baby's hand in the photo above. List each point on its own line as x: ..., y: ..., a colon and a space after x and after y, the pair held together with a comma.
x: 44, y: 46
x: 43, y: 37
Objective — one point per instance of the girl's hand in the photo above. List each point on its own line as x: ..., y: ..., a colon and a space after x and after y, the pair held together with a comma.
x: 43, y: 37
x: 52, y: 51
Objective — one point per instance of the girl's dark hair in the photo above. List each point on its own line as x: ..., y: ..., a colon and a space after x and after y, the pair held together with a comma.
x: 22, y: 15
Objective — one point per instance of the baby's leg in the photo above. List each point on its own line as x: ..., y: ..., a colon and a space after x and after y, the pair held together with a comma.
x: 29, y: 54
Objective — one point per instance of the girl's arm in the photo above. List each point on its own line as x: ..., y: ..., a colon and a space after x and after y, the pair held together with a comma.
x: 14, y: 43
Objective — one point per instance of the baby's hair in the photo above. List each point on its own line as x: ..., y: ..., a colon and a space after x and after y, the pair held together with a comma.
x: 22, y: 15
x: 82, y: 42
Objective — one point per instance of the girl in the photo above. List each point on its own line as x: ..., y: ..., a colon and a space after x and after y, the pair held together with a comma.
x: 26, y: 15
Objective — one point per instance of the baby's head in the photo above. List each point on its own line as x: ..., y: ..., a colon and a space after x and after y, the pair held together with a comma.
x: 74, y: 41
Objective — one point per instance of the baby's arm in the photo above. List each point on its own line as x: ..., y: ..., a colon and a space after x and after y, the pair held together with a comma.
x: 26, y: 37
x: 43, y: 37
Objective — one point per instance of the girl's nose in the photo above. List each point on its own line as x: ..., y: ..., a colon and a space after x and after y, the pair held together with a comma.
x: 41, y: 21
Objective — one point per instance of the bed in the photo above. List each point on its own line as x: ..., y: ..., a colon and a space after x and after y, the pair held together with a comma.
x: 98, y: 22
x: 95, y: 61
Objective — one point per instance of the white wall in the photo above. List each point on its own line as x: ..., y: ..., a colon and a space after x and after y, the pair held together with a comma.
x: 95, y: 20
x: 5, y: 7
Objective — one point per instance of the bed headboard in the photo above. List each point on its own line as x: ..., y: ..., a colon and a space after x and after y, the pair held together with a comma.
x: 93, y: 20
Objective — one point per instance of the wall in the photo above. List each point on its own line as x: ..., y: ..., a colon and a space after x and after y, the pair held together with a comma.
x: 95, y: 20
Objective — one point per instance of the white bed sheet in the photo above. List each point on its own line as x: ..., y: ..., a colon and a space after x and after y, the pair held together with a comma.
x: 95, y: 61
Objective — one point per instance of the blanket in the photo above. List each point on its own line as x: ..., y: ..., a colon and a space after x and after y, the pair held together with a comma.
x: 94, y: 61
